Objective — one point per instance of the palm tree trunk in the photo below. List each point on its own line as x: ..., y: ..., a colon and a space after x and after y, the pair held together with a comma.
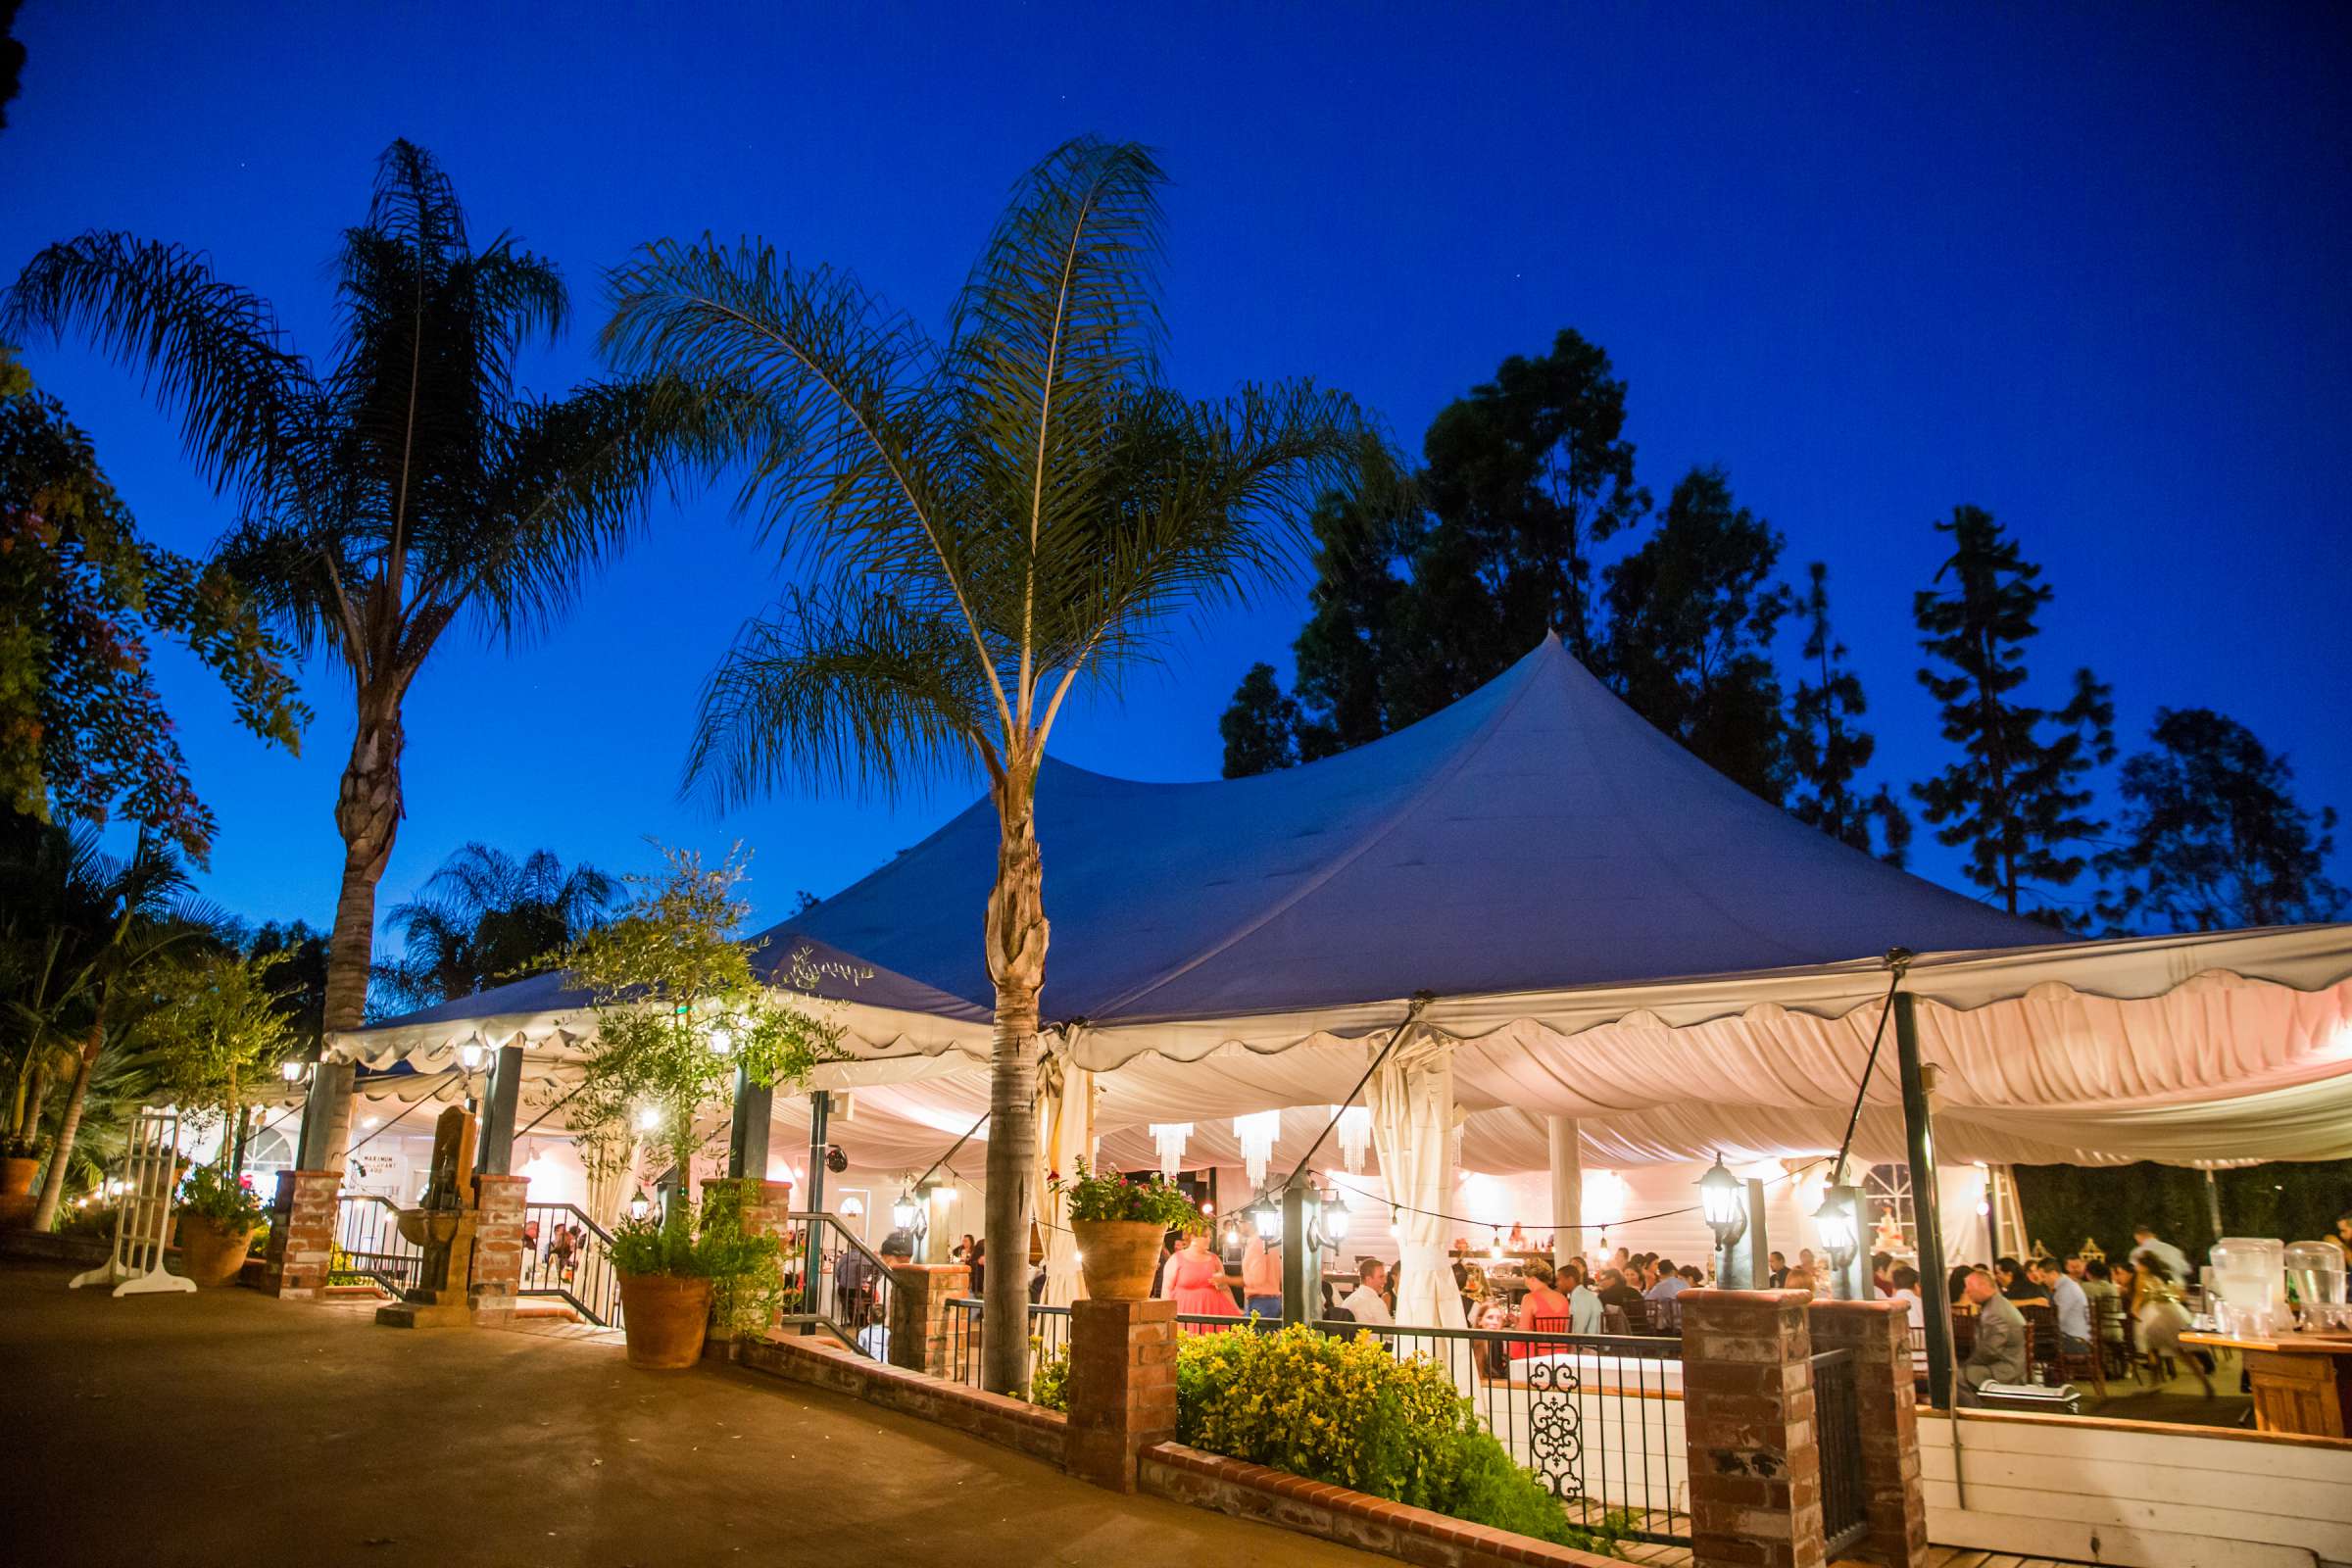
x: 53, y: 1184
x: 367, y: 813
x: 1016, y: 963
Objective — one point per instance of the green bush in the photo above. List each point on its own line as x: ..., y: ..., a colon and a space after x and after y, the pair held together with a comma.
x: 1049, y: 1384
x: 1351, y: 1414
x: 221, y: 1198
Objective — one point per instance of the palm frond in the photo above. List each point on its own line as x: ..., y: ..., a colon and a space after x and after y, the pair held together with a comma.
x: 834, y: 410
x: 208, y: 349
x: 841, y: 687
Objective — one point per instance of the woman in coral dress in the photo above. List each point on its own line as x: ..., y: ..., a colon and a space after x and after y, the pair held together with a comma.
x: 1195, y: 1280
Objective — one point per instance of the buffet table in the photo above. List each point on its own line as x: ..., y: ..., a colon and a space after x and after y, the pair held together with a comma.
x: 2302, y: 1382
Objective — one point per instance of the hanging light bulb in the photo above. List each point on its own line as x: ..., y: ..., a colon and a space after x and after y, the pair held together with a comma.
x: 1494, y: 1252
x: 1233, y: 1235
x: 648, y: 1119
x: 722, y: 1040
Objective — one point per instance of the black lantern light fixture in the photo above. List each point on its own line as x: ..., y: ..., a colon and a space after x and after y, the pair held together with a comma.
x: 1840, y: 1226
x: 1726, y: 1207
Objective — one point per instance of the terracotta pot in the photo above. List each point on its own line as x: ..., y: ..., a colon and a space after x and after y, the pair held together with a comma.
x: 664, y: 1317
x: 213, y: 1253
x: 1118, y: 1256
x: 17, y: 1198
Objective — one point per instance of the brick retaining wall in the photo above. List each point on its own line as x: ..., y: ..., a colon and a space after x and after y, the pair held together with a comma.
x: 995, y: 1418
x: 1416, y: 1536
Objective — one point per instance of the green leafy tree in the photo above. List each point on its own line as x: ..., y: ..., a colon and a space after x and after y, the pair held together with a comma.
x: 219, y: 1033
x: 2213, y: 835
x: 1261, y: 728
x: 83, y: 731
x: 991, y: 521
x: 678, y: 1011
x: 1827, y: 747
x: 2017, y: 796
x: 485, y: 918
x: 1693, y: 613
x: 384, y: 495
x: 299, y: 979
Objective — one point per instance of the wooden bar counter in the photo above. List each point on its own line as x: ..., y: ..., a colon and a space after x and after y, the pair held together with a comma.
x: 2302, y: 1382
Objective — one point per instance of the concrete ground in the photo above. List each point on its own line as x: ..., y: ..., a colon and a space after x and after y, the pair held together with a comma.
x: 229, y: 1428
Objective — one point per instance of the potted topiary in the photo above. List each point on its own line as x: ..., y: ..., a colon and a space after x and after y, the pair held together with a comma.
x: 19, y: 1158
x: 1119, y: 1225
x: 218, y: 1217
x: 679, y: 1012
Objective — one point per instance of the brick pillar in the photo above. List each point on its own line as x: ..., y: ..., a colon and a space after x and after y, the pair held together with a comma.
x: 1878, y: 1333
x: 1122, y: 1388
x: 496, y: 1273
x: 767, y: 1210
x: 302, y: 1234
x: 919, y: 1293
x: 1747, y: 1414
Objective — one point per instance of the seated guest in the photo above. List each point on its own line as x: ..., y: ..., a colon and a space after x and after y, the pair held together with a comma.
x: 1670, y: 1285
x: 1905, y: 1280
x: 1880, y: 1280
x: 1615, y: 1292
x: 1692, y: 1276
x: 1778, y: 1277
x: 2069, y: 1304
x: 2015, y: 1283
x: 2098, y: 1289
x: 1800, y: 1279
x: 1583, y: 1303
x: 1542, y: 1303
x: 1955, y: 1286
x: 1365, y: 1303
x: 1998, y: 1355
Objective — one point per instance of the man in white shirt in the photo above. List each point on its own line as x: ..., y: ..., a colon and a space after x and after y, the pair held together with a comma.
x: 2174, y: 1260
x: 1365, y: 1303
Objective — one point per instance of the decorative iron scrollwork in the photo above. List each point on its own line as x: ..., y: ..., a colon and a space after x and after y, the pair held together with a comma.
x: 1555, y: 1435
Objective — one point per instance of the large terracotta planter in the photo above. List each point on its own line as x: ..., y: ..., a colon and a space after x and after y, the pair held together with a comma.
x: 16, y: 1200
x: 213, y: 1253
x: 664, y: 1317
x: 1118, y: 1256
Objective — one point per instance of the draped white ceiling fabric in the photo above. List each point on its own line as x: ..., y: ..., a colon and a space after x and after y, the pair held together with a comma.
x: 1599, y: 927
x: 1410, y: 1095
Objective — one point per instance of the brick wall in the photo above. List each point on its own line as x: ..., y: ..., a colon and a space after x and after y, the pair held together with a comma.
x: 302, y: 1234
x: 1122, y: 1387
x: 990, y: 1417
x: 919, y: 1313
x: 1878, y: 1333
x: 1749, y: 1417
x: 496, y: 1272
x: 1185, y: 1475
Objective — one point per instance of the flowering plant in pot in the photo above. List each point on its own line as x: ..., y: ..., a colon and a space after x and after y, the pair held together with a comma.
x: 218, y: 1217
x: 681, y: 1007
x: 1119, y: 1223
x: 19, y: 1159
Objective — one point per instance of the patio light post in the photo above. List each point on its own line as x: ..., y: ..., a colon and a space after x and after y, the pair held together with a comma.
x: 1735, y: 1212
x: 1839, y: 1221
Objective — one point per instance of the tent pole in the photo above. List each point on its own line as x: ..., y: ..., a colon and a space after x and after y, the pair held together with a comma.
x: 2213, y: 1204
x: 1919, y: 1134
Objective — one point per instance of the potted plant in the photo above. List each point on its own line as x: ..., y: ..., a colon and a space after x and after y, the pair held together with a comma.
x: 679, y: 1012
x: 1119, y: 1224
x: 218, y: 1217
x: 19, y: 1158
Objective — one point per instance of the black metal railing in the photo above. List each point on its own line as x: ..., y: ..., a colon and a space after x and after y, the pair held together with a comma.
x: 1838, y: 1422
x: 1598, y: 1417
x: 568, y: 1256
x: 368, y: 1247
x: 835, y: 1281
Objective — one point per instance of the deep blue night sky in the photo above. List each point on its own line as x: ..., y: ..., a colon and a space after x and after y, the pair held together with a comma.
x: 2088, y: 272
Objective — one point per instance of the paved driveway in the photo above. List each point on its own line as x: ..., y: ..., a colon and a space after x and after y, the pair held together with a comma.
x: 228, y: 1428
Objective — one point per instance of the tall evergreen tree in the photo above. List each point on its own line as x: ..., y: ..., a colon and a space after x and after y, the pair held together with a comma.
x: 1827, y: 747
x: 2214, y: 837
x: 1692, y: 617
x: 2016, y: 798
x: 1262, y: 728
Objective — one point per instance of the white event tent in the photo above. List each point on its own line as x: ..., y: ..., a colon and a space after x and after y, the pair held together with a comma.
x: 1612, y: 957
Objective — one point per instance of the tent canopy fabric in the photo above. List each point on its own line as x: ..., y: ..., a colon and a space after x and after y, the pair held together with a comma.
x: 1608, y: 930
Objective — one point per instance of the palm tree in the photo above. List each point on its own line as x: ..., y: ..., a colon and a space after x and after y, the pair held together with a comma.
x: 988, y: 522
x: 85, y: 941
x: 485, y: 918
x: 384, y: 495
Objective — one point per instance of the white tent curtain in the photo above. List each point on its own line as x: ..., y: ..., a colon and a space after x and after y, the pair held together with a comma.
x: 1065, y: 1116
x: 608, y: 1185
x: 1411, y: 1100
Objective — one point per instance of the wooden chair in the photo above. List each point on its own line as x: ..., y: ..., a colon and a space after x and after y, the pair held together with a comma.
x: 2042, y: 1342
x: 1614, y: 1321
